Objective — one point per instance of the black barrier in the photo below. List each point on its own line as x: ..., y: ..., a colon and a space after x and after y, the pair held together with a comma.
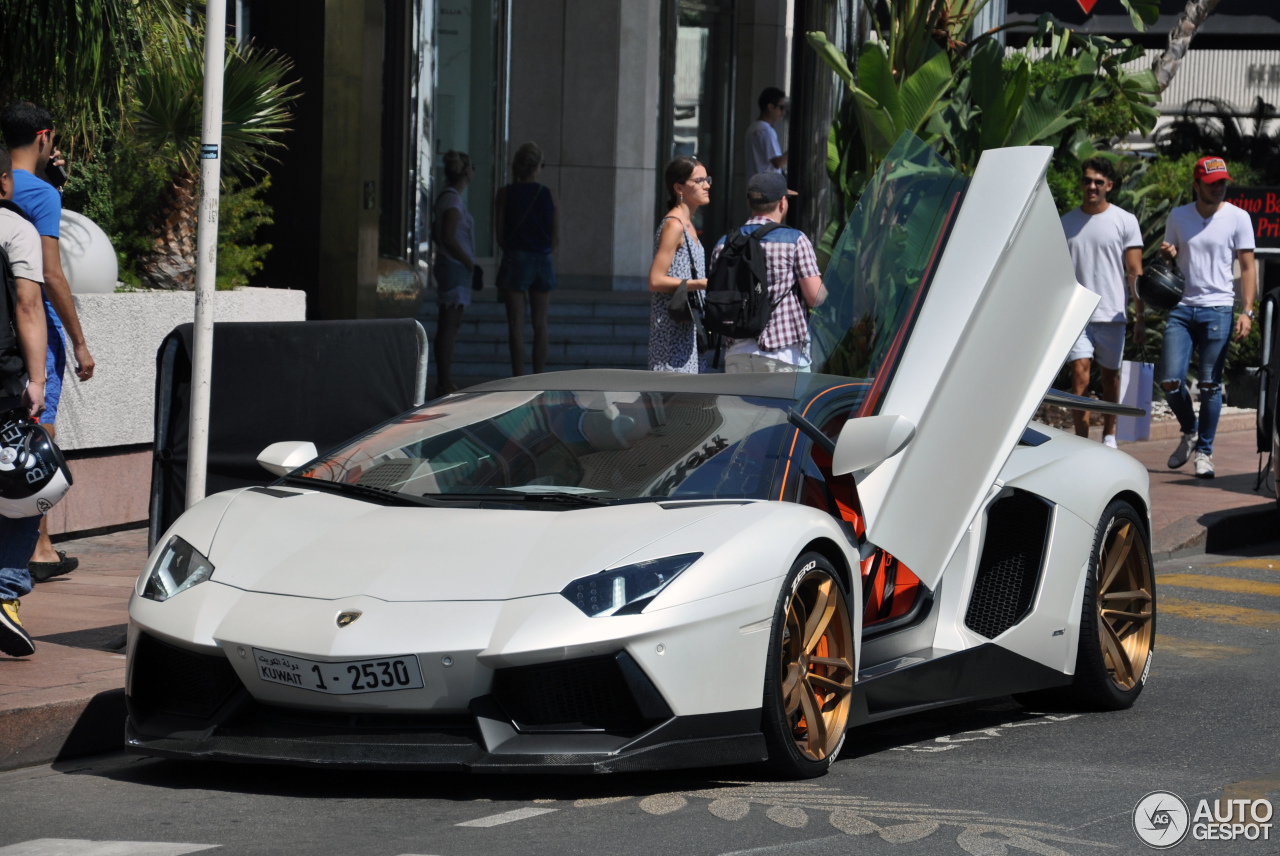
x: 1269, y: 375
x: 323, y: 381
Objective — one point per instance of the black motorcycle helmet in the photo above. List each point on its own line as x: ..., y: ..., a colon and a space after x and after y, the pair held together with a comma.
x: 33, y: 473
x: 1160, y: 287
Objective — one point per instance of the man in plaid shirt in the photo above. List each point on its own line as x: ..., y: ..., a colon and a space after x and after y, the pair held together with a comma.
x: 783, y: 345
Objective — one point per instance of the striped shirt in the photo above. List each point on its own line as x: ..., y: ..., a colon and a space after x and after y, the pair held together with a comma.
x: 789, y: 258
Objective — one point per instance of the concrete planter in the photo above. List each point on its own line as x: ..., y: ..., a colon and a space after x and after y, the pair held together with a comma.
x: 106, y: 424
x: 124, y: 330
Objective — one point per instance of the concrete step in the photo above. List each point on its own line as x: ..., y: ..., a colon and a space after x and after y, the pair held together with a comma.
x: 580, y: 315
x: 594, y: 351
x: 479, y: 370
x: 557, y: 330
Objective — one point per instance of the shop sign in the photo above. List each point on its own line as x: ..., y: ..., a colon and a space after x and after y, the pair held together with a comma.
x: 1263, y: 207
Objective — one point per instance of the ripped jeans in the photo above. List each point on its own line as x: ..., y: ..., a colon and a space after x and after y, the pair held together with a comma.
x: 1208, y: 330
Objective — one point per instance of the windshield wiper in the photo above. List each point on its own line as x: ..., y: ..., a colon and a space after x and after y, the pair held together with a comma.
x: 365, y: 490
x: 560, y: 497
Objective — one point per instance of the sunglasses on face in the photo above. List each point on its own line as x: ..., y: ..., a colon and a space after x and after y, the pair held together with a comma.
x: 705, y: 181
x: 1093, y: 182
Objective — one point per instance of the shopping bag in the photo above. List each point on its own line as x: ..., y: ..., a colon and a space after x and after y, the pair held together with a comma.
x: 1136, y: 380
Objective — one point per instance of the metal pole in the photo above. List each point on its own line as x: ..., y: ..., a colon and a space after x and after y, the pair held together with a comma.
x: 215, y: 37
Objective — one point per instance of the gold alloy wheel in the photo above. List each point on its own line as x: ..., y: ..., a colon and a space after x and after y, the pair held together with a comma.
x: 1125, y: 606
x: 817, y: 664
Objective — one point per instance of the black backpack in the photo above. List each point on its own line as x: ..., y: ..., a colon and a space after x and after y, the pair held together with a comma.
x: 13, y: 368
x: 737, y: 300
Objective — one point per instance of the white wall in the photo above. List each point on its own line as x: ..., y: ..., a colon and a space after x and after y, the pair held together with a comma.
x: 123, y: 331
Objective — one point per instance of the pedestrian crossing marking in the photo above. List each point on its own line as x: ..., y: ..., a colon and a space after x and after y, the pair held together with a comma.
x: 504, y: 817
x: 1218, y: 613
x: 84, y: 847
x: 1259, y: 564
x: 1229, y: 584
x: 1198, y: 650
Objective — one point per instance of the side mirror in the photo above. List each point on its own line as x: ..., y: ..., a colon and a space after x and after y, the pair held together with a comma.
x: 863, y: 443
x: 285, y: 457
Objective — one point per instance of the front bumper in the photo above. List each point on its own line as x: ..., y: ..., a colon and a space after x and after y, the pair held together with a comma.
x: 485, y: 742
x: 597, y: 714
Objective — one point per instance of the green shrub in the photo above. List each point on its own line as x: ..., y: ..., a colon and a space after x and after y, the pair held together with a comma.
x: 242, y: 212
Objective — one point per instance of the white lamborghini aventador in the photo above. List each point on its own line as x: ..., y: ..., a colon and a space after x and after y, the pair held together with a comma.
x: 616, y: 570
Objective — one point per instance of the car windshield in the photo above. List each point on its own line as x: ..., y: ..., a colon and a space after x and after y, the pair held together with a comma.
x: 570, y: 446
x: 881, y: 266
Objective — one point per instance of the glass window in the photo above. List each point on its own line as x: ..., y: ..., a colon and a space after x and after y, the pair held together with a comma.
x: 466, y: 108
x: 700, y: 103
x: 603, y: 445
x: 880, y: 269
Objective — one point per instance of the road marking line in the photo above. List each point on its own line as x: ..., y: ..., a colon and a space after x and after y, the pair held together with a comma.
x: 85, y: 847
x: 1230, y: 584
x: 1217, y: 613
x: 1198, y: 650
x: 1260, y: 564
x: 499, y: 819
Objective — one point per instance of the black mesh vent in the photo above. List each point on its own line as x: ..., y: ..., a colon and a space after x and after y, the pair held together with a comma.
x: 1012, y: 554
x: 590, y: 693
x: 387, y: 474
x: 171, y: 680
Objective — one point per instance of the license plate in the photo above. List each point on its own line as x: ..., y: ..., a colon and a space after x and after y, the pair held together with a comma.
x: 347, y: 677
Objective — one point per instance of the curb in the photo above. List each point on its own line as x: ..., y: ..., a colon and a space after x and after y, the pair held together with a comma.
x: 1245, y: 420
x: 62, y: 730
x: 1218, y: 531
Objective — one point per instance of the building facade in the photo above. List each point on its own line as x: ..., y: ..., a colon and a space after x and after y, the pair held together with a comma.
x: 609, y: 89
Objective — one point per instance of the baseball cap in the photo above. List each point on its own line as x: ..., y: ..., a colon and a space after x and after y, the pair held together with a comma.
x: 766, y: 187
x: 1211, y: 169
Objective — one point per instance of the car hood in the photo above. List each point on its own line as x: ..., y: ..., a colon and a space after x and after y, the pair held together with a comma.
x: 319, y: 545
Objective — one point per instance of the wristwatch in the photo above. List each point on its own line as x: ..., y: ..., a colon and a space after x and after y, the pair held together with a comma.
x: 1249, y: 314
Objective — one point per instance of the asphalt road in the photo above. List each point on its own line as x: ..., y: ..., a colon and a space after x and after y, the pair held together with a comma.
x: 988, y: 779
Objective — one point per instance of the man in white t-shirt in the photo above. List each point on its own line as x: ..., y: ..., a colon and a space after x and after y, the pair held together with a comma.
x: 764, y: 153
x: 1205, y: 238
x: 1106, y: 249
x: 22, y: 384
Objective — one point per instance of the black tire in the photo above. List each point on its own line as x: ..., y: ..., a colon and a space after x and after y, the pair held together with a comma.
x: 1095, y: 686
x: 786, y: 759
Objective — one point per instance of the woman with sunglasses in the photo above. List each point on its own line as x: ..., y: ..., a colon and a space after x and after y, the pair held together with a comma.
x: 679, y: 263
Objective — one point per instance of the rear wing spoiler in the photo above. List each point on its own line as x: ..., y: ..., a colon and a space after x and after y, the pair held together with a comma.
x: 1079, y: 402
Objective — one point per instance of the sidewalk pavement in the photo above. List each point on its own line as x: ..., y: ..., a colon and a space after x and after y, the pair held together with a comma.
x: 1197, y: 515
x: 68, y: 699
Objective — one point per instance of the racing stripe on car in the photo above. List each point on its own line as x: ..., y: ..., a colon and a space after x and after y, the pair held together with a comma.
x: 795, y: 434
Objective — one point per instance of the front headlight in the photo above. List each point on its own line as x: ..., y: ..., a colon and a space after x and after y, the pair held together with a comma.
x: 626, y: 590
x: 178, y: 567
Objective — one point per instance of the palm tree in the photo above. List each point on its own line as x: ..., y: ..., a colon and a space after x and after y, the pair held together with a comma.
x: 1180, y: 40
x: 78, y: 57
x: 166, y: 114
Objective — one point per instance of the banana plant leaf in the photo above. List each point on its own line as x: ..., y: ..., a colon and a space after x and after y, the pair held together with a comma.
x: 881, y: 261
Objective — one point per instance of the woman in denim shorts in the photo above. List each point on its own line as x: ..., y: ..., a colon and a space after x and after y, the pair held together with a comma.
x: 528, y: 228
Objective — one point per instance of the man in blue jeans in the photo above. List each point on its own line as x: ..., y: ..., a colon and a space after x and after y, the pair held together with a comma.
x: 1206, y: 237
x: 29, y: 134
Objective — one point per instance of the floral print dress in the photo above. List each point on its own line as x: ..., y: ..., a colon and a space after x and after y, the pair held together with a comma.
x: 673, y: 345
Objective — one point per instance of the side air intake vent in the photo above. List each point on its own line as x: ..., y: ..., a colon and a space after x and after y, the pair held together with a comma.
x: 597, y: 693
x: 171, y: 680
x: 1012, y: 555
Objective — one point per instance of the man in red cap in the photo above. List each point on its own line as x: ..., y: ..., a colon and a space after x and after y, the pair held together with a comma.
x: 1205, y: 237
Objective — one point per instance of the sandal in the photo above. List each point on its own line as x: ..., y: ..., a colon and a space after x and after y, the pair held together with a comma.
x: 45, y: 571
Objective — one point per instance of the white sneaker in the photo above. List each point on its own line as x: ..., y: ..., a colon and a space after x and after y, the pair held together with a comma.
x: 1204, y: 466
x: 1182, y: 454
x: 1110, y: 441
